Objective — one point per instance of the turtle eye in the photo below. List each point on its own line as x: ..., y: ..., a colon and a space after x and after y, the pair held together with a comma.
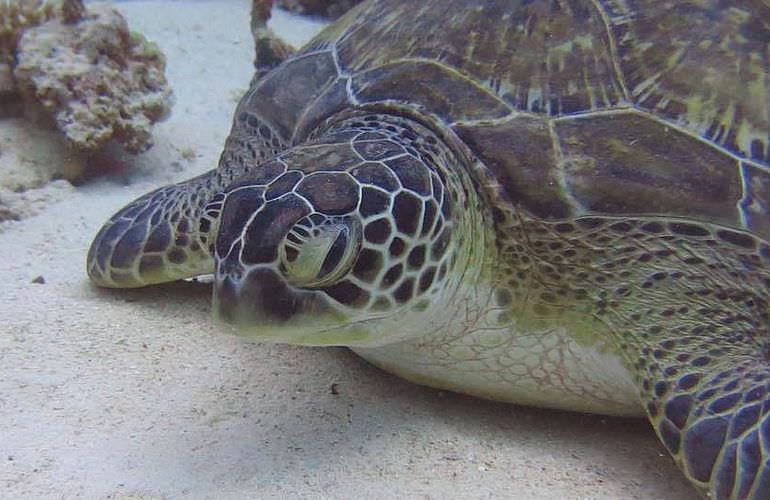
x: 319, y: 251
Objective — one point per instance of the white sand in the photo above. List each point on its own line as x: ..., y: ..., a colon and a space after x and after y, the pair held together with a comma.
x: 116, y: 394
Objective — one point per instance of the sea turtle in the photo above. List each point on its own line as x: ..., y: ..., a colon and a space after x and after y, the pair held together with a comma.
x: 561, y: 203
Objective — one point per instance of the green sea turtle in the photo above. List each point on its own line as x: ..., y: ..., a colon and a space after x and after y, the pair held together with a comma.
x: 561, y: 203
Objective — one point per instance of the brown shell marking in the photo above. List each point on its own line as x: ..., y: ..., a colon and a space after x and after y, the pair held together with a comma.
x: 563, y: 65
x: 651, y: 107
x: 702, y: 64
x: 576, y: 106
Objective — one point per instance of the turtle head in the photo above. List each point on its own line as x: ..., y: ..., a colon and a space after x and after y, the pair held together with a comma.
x: 350, y: 240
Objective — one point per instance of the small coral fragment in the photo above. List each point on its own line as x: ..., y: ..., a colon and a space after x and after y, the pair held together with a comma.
x: 270, y: 50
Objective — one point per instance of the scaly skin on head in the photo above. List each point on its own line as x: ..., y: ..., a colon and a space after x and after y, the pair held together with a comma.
x: 360, y: 237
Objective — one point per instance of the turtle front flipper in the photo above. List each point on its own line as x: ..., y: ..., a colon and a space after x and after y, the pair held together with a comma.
x: 686, y: 304
x: 157, y: 238
x: 695, y: 321
x: 693, y: 313
x: 711, y: 412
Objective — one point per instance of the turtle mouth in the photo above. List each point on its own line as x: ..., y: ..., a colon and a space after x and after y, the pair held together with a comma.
x: 264, y: 307
x: 280, y: 268
x: 260, y: 296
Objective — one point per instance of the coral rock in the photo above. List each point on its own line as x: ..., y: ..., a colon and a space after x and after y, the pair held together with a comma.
x: 95, y: 78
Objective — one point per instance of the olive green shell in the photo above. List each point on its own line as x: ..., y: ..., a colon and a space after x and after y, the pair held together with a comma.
x: 575, y: 107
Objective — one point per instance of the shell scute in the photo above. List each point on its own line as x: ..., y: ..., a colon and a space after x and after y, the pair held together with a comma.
x: 576, y: 107
x: 703, y: 65
x: 432, y: 87
x: 282, y: 95
x: 520, y: 154
x: 551, y: 57
x: 332, y: 101
x: 628, y: 163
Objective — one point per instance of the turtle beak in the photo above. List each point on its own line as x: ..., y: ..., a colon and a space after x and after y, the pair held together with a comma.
x: 259, y: 297
x: 249, y: 291
x: 262, y: 306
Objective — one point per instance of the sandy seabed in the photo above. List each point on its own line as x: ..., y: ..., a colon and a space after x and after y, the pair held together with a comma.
x: 136, y: 394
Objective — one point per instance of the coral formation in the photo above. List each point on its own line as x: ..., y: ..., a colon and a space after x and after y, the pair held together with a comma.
x: 95, y: 78
x: 15, y: 17
x: 270, y: 50
x: 326, y: 8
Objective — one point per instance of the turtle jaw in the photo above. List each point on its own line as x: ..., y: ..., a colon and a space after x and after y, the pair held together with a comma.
x: 262, y: 306
x: 276, y: 261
